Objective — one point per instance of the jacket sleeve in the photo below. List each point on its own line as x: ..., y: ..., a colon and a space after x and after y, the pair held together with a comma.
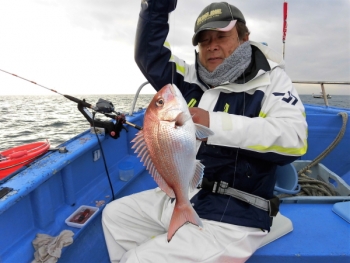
x: 279, y: 131
x: 152, y: 53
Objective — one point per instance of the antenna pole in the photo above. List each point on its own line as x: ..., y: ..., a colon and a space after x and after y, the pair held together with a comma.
x: 285, y: 13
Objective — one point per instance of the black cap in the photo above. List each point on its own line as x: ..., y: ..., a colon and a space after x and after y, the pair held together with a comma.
x: 216, y: 16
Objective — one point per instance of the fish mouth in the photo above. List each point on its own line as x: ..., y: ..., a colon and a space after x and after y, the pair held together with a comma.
x: 181, y: 118
x: 176, y: 116
x: 174, y: 112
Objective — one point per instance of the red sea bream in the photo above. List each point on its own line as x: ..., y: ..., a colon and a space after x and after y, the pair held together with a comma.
x: 167, y: 146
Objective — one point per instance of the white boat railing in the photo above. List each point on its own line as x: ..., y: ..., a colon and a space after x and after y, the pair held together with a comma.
x: 324, y: 94
x: 323, y: 90
x: 135, y: 97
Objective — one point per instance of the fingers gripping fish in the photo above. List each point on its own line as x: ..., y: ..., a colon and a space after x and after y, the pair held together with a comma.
x: 167, y: 147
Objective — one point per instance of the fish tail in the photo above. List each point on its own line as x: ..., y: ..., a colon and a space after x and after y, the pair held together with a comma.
x: 181, y: 215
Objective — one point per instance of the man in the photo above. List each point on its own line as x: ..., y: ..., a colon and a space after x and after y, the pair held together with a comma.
x: 239, y: 90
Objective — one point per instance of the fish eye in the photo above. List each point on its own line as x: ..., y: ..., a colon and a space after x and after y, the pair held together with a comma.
x: 160, y: 102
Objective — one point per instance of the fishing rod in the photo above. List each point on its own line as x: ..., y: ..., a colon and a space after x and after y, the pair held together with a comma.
x: 102, y: 106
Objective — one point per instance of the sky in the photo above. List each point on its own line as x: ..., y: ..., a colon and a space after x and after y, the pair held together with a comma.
x: 87, y: 46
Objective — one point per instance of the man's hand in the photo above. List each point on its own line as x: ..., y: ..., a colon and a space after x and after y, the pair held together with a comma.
x: 200, y: 116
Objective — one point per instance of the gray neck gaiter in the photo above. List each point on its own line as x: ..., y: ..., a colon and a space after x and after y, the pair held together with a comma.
x: 230, y: 69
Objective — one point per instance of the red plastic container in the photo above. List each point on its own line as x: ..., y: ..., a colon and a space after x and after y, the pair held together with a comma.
x: 15, y: 158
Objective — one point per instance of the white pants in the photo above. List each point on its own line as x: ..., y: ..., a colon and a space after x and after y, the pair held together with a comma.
x: 135, y: 229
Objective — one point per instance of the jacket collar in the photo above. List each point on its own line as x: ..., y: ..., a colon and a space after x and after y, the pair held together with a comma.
x: 264, y: 59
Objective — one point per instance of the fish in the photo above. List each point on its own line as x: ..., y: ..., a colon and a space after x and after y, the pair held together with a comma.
x: 167, y: 147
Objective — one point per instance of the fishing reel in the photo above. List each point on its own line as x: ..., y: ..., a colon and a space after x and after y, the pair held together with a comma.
x: 105, y: 107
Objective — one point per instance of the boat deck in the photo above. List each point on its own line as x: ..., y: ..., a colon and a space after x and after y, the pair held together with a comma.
x: 54, y: 186
x: 312, y: 240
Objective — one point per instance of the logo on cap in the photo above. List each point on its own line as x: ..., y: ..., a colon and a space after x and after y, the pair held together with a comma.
x: 207, y: 15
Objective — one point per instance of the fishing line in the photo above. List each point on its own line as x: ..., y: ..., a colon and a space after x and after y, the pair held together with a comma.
x: 243, y: 112
x: 103, y: 155
x: 172, y: 23
x: 236, y: 159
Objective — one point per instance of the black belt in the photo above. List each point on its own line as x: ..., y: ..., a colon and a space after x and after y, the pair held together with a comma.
x: 221, y: 187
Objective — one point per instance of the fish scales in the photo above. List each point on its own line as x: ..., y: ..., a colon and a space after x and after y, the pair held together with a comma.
x: 167, y: 146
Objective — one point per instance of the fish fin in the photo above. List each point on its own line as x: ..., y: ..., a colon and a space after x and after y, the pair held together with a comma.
x: 181, y: 215
x: 181, y: 118
x: 198, y: 175
x: 202, y: 131
x: 161, y: 183
x: 139, y: 139
x: 142, y: 150
x: 140, y: 146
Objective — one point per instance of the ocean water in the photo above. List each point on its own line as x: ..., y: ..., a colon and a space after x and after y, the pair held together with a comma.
x: 342, y: 101
x: 25, y: 119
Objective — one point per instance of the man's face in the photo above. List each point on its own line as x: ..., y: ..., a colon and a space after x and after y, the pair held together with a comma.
x: 215, y: 46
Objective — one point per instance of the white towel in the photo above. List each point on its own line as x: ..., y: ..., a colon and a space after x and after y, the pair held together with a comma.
x: 48, y: 249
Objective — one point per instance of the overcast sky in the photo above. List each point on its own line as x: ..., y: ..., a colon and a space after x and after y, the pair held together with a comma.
x: 86, y: 46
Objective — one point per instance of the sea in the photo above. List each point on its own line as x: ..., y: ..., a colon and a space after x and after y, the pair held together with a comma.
x: 26, y: 119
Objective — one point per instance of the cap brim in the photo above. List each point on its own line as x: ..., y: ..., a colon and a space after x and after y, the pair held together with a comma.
x: 215, y: 25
